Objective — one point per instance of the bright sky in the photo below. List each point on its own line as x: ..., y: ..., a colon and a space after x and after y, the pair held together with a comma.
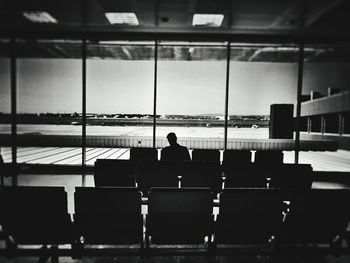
x: 184, y: 87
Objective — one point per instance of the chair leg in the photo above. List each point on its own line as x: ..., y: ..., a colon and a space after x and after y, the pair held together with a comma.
x: 54, y: 256
x: 77, y: 250
x: 45, y: 255
x: 211, y: 246
x: 11, y: 246
x: 335, y: 246
x: 211, y: 250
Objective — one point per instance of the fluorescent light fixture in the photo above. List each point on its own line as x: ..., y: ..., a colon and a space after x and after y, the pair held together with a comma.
x: 213, y: 20
x: 122, y: 19
x: 39, y: 17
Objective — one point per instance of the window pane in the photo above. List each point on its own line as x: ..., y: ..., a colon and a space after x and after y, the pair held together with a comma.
x: 49, y: 96
x: 325, y: 110
x: 191, y: 94
x: 120, y: 84
x: 260, y: 75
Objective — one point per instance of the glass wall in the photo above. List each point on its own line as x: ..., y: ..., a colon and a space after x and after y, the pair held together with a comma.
x: 190, y: 84
x: 5, y: 101
x: 49, y: 101
x: 120, y: 85
x: 191, y: 93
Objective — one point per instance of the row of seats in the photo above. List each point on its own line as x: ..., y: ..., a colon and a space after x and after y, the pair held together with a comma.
x: 149, y: 174
x: 112, y: 216
x: 210, y: 155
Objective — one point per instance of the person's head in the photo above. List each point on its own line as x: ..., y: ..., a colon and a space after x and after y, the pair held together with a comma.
x: 172, y: 138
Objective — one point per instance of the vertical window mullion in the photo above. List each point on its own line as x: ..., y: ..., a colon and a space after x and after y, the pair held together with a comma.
x: 13, y: 68
x: 83, y: 148
x: 228, y: 58
x: 299, y: 91
x: 155, y: 93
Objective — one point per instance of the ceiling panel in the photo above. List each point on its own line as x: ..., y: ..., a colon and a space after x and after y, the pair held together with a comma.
x: 322, y: 16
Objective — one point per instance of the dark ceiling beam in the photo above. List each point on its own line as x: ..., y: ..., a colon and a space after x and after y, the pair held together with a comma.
x: 232, y: 6
x: 317, y: 15
x: 247, y: 36
x: 63, y: 51
x: 282, y: 16
x: 191, y: 9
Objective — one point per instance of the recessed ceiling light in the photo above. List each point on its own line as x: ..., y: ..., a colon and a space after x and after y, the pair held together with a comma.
x: 122, y: 19
x: 213, y: 20
x: 39, y: 17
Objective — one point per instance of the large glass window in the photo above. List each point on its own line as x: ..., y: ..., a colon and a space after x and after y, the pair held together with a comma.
x: 190, y: 97
x: 120, y: 85
x: 49, y: 101
x: 191, y: 93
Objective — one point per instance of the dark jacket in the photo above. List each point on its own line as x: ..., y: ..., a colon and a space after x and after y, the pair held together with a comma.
x: 175, y: 153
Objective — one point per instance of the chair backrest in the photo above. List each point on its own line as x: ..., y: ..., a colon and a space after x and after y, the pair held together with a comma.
x: 184, y: 200
x: 114, y: 173
x: 108, y: 215
x: 268, y: 157
x: 201, y: 174
x: 291, y: 176
x: 36, y: 215
x: 248, y: 175
x: 317, y: 216
x: 157, y: 174
x: 143, y: 154
x: 179, y: 216
x: 248, y: 215
x: 206, y: 155
x: 236, y: 158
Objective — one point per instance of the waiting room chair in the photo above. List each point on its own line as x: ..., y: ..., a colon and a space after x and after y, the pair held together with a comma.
x: 143, y: 154
x: 245, y: 176
x: 316, y: 216
x: 35, y: 216
x: 268, y: 157
x: 291, y: 176
x: 108, y: 216
x: 249, y: 216
x: 179, y: 216
x: 236, y: 159
x: 201, y: 174
x: 206, y: 155
x: 114, y: 173
x: 157, y: 174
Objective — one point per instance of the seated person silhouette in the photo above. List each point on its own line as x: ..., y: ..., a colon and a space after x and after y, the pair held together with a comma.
x: 174, y: 152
